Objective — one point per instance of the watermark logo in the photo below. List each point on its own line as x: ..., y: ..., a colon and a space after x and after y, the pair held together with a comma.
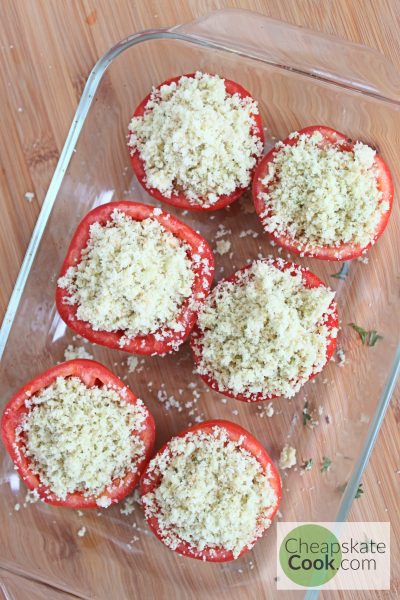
x: 348, y: 556
x: 310, y: 555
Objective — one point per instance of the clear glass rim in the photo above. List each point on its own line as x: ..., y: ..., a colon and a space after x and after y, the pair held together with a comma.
x: 81, y: 113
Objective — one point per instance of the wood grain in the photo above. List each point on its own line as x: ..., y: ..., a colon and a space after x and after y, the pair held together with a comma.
x: 47, y: 51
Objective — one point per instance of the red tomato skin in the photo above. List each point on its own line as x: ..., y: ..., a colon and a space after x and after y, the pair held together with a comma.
x: 90, y: 372
x: 337, y: 253
x: 144, y: 344
x: 179, y: 200
x: 250, y: 443
x: 310, y: 280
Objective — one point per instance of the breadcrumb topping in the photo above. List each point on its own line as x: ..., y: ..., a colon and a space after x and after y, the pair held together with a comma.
x: 320, y: 194
x: 196, y: 138
x: 81, y: 438
x: 264, y: 333
x: 213, y: 493
x: 134, y: 276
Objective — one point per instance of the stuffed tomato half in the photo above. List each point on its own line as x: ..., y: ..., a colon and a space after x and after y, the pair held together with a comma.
x: 211, y: 492
x: 78, y: 436
x: 265, y: 331
x: 133, y: 278
x: 195, y: 141
x: 322, y: 195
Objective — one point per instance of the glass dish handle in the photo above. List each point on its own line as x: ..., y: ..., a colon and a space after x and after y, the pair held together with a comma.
x: 297, y: 49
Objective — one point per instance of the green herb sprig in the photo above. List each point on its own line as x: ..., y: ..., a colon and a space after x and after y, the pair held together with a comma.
x: 306, y: 414
x: 342, y: 274
x: 308, y: 464
x: 368, y: 338
x: 359, y: 491
x: 326, y: 464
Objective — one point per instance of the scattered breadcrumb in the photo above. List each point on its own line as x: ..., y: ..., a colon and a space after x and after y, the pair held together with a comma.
x: 31, y: 497
x: 134, y: 539
x: 29, y: 196
x: 287, y: 459
x: 132, y: 362
x: 169, y: 401
x: 82, y: 531
x: 268, y: 411
x: 128, y: 506
x: 104, y: 502
x: 341, y: 357
x: 363, y: 259
x: 248, y: 233
x: 73, y: 352
x: 223, y: 247
x: 222, y: 231
x: 17, y: 506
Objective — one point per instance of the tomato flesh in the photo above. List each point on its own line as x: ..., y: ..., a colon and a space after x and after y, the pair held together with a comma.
x: 142, y: 344
x: 90, y: 373
x: 179, y: 199
x: 342, y: 252
x: 151, y: 481
x: 310, y: 280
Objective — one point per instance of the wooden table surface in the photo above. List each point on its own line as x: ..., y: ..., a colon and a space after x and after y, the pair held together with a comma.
x: 47, y: 50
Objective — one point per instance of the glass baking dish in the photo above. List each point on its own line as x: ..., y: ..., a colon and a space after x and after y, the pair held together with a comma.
x: 299, y: 78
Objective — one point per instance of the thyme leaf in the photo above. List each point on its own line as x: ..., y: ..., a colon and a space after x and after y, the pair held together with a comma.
x: 374, y: 337
x: 306, y: 414
x: 326, y: 464
x: 342, y: 274
x: 308, y: 464
x: 368, y: 338
x: 359, y: 491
